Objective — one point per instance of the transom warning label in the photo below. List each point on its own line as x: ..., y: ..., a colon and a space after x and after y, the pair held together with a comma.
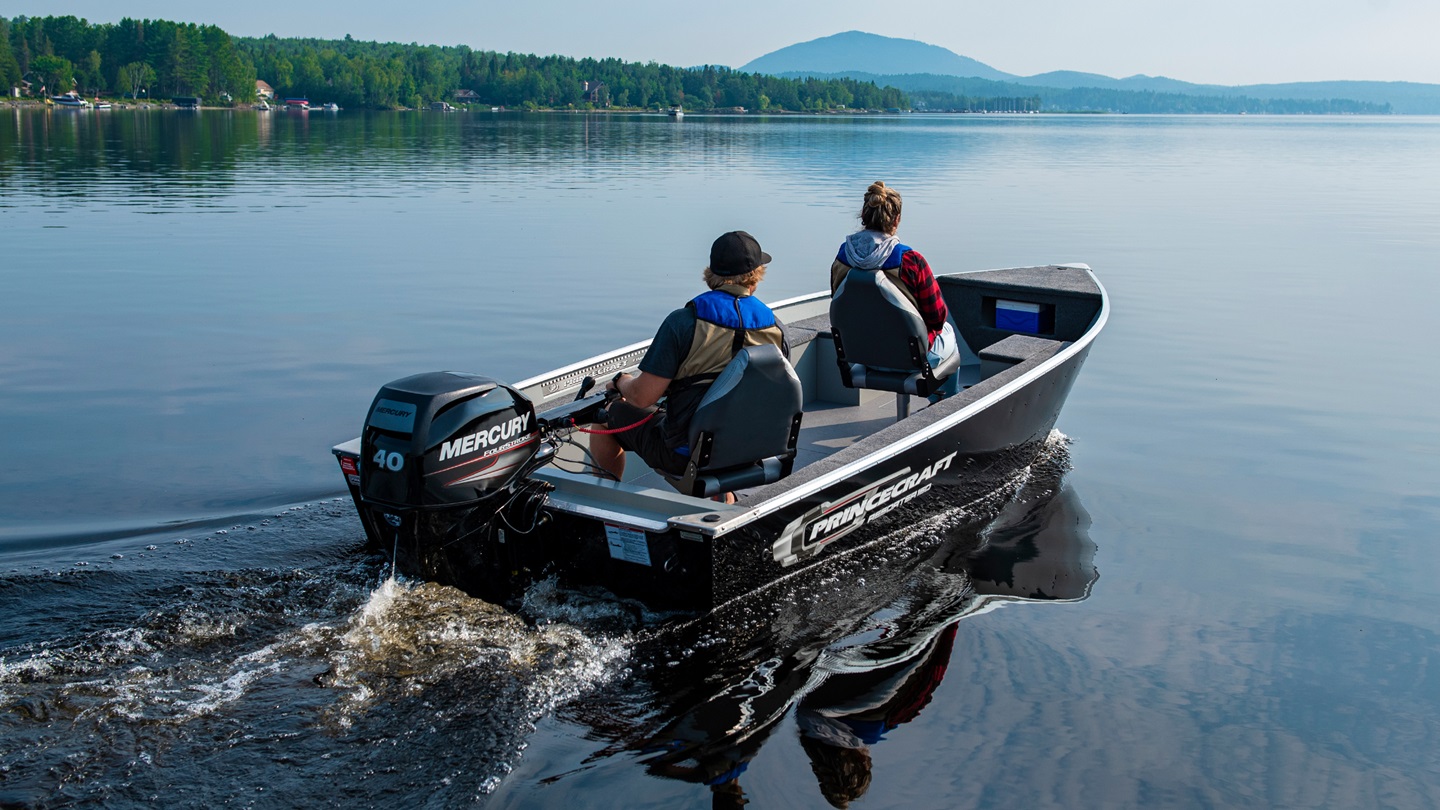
x: 627, y: 544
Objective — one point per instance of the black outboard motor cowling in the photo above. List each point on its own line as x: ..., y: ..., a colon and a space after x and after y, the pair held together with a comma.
x: 444, y: 439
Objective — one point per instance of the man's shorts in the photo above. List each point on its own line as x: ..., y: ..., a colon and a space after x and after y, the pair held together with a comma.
x: 648, y: 440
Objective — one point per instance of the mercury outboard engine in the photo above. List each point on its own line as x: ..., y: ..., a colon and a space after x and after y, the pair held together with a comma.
x: 442, y: 453
x: 444, y: 439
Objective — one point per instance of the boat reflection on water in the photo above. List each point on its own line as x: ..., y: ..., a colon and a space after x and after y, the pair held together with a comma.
x: 855, y: 659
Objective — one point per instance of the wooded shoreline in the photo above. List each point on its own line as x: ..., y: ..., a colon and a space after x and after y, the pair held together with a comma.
x: 140, y: 59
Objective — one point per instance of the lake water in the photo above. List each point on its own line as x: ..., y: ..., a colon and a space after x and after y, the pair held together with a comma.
x: 1218, y: 589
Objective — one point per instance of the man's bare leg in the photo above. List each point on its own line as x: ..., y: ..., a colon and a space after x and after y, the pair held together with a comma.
x: 608, y: 453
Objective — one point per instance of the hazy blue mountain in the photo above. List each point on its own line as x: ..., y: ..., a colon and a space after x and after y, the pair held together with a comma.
x: 1403, y: 97
x: 870, y: 53
x: 910, y: 65
x: 1411, y: 98
x: 928, y: 91
x: 1155, y: 84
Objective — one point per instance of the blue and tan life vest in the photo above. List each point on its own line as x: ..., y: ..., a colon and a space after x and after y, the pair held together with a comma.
x: 727, y: 319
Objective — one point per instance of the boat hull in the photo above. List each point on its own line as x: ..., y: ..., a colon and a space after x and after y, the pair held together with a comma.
x: 984, y: 454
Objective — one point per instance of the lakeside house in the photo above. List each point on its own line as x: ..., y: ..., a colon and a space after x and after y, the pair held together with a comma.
x: 464, y: 96
x: 263, y: 91
x: 594, y: 92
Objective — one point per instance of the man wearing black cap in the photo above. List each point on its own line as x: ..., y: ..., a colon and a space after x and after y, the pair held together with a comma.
x: 691, y: 348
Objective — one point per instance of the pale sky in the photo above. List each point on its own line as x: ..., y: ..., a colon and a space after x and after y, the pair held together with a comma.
x: 1217, y: 42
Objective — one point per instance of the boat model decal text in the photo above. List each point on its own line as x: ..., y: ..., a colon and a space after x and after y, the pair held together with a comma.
x: 502, y: 432
x: 808, y: 533
x: 604, y: 368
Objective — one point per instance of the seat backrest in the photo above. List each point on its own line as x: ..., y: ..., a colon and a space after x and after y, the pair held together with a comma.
x: 749, y: 409
x: 876, y: 321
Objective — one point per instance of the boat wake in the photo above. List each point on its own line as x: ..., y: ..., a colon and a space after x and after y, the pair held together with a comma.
x: 427, y: 640
x: 313, y: 684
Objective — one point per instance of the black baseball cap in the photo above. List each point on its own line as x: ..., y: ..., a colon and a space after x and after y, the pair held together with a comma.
x: 735, y: 254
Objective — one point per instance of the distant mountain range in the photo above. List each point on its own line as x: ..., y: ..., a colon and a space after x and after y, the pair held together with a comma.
x: 914, y: 66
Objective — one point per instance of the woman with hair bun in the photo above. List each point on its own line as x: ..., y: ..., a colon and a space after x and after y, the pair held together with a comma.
x: 876, y: 248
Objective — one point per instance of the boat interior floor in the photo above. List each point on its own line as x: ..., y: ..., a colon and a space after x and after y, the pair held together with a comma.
x: 827, y: 428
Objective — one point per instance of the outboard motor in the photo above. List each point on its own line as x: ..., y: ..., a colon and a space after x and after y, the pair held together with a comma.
x: 437, y: 459
x: 444, y: 439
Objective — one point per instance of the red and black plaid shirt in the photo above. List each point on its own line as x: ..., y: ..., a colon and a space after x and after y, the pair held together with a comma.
x: 915, y: 273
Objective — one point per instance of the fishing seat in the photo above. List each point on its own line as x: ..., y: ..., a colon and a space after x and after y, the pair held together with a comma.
x: 745, y: 430
x: 881, y: 341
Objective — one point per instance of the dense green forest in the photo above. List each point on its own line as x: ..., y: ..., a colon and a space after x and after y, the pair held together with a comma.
x: 158, y: 58
x: 389, y: 75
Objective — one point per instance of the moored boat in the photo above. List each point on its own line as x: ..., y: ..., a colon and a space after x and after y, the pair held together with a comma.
x: 70, y: 100
x: 468, y: 481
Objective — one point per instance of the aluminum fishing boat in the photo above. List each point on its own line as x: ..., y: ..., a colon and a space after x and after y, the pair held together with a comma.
x: 468, y: 481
